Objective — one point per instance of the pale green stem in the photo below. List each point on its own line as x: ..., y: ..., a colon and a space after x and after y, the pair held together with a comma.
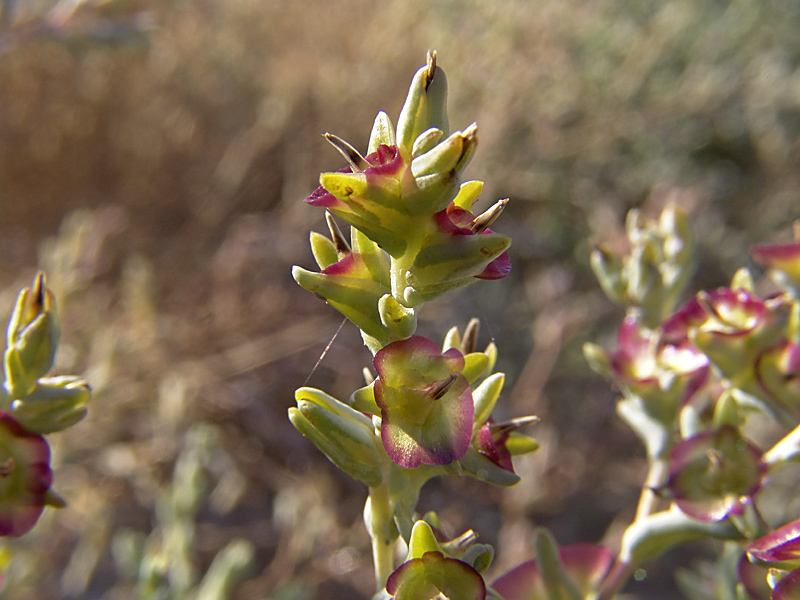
x: 648, y: 497
x: 622, y: 570
x: 380, y: 526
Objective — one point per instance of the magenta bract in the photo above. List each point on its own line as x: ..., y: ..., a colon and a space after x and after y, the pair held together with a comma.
x: 433, y: 576
x: 369, y: 201
x: 731, y: 326
x: 25, y: 477
x: 715, y: 474
x: 586, y: 564
x: 491, y: 442
x: 779, y: 549
x: 426, y: 403
x: 386, y: 163
x: 456, y: 221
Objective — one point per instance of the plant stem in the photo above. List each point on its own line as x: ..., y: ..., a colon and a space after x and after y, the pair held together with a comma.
x: 648, y: 497
x: 616, y: 578
x: 621, y: 570
x: 380, y: 526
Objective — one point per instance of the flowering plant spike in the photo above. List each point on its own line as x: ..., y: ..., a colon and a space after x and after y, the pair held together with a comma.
x: 426, y: 409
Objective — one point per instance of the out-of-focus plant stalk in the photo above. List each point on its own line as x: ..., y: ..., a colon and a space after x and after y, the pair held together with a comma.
x: 378, y: 519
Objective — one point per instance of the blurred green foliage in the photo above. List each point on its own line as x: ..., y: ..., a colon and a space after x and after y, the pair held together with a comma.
x: 153, y: 159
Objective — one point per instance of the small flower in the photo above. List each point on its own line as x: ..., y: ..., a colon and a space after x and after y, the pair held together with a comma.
x: 714, y: 474
x: 456, y: 221
x: 585, y: 564
x: 425, y: 402
x: 25, y: 477
x: 731, y: 326
x: 433, y: 577
x: 492, y: 440
x: 664, y: 372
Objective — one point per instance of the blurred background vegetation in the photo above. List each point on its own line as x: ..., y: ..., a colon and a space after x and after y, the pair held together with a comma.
x: 154, y: 155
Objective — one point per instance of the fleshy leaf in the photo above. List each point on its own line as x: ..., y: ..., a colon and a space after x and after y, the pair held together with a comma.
x: 714, y: 474
x: 426, y: 404
x: 432, y: 577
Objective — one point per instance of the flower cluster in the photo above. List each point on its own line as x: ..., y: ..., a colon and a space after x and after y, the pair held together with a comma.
x: 414, y: 234
x: 426, y: 410
x: 690, y: 383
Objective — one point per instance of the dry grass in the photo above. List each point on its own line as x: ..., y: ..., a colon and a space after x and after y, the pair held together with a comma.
x: 159, y: 180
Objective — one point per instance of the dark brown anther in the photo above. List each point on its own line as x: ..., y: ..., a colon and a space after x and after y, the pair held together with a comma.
x: 482, y: 221
x: 342, y: 247
x: 357, y: 162
x: 38, y: 291
x: 431, y: 70
x: 438, y: 389
x: 470, y: 340
x: 512, y: 425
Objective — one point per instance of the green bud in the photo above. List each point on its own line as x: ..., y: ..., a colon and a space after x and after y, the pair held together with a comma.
x: 32, y: 338
x: 382, y: 133
x: 726, y: 411
x: 425, y: 106
x: 467, y: 194
x: 519, y: 444
x: 442, y: 157
x: 400, y: 321
x: 363, y: 400
x: 452, y: 339
x: 355, y: 185
x: 598, y: 359
x: 448, y: 262
x: 354, y: 297
x: 324, y: 250
x: 422, y: 540
x: 608, y: 270
x: 491, y: 352
x: 676, y: 230
x: 375, y: 259
x: 426, y: 141
x: 428, y: 194
x: 330, y: 403
x: 485, y: 398
x: 54, y: 404
x: 475, y: 366
x: 345, y: 441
